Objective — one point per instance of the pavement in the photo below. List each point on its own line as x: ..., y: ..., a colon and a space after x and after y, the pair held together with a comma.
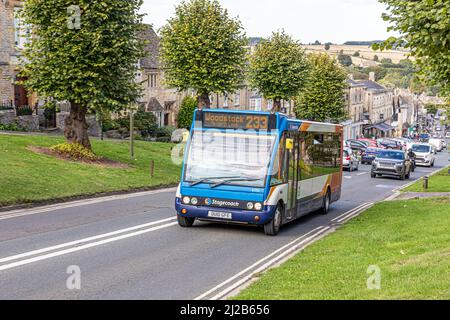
x: 130, y: 246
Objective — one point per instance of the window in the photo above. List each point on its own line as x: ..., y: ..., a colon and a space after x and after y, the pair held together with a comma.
x: 237, y: 98
x: 256, y: 104
x: 152, y: 80
x: 225, y: 100
x: 21, y: 32
x: 269, y: 104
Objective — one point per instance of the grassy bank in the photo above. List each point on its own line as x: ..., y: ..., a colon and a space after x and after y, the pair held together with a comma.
x: 438, y: 183
x: 408, y: 240
x: 26, y: 176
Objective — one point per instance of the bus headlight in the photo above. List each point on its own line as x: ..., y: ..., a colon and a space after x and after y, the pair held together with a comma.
x: 258, y: 206
x: 194, y: 201
x: 186, y: 200
x: 250, y: 206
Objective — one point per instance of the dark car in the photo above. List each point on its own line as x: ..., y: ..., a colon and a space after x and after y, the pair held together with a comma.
x: 391, y: 144
x: 392, y: 163
x: 369, y: 155
x: 357, y: 146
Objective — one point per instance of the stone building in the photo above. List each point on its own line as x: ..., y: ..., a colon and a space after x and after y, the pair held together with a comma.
x: 12, y: 40
x: 354, y: 107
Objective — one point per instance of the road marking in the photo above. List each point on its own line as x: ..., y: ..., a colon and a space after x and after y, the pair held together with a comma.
x: 271, y: 263
x: 79, y: 203
x: 356, y: 213
x: 258, y: 263
x: 77, y: 245
x: 362, y: 173
x: 350, y: 211
x: 347, y: 177
x: 384, y: 186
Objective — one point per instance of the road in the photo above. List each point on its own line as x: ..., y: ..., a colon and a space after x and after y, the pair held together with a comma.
x: 130, y: 247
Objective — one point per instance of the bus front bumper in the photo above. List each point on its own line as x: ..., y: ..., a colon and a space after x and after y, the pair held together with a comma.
x: 237, y: 216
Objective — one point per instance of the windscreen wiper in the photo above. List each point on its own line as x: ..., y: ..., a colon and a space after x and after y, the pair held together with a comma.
x: 209, y: 179
x: 232, y: 180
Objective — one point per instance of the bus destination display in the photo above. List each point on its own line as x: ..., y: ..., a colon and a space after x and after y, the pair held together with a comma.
x: 235, y: 121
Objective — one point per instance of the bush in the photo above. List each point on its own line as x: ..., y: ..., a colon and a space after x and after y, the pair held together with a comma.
x: 11, y: 127
x: 186, y: 113
x: 74, y: 151
x: 164, y: 132
x: 24, y: 111
x: 345, y: 60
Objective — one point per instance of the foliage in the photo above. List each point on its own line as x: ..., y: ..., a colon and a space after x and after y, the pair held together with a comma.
x: 357, y: 54
x: 144, y: 122
x: 322, y: 97
x: 203, y: 48
x: 186, y: 113
x: 424, y: 28
x: 93, y: 65
x: 376, y: 58
x: 24, y: 111
x: 278, y: 68
x: 345, y: 60
x: 11, y: 127
x: 74, y: 151
x: 327, y: 46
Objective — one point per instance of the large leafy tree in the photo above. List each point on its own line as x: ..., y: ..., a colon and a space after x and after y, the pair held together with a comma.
x: 278, y: 68
x: 424, y: 27
x: 84, y: 52
x: 322, y: 98
x: 203, y: 49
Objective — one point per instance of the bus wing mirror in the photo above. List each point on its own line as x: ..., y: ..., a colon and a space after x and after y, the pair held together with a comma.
x: 289, y: 144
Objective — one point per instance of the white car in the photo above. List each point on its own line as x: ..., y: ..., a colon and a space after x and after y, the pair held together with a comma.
x: 437, y: 143
x: 350, y: 161
x: 424, y: 154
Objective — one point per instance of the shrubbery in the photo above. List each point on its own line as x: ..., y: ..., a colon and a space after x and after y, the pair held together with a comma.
x: 186, y: 113
x: 11, y: 127
x: 74, y: 151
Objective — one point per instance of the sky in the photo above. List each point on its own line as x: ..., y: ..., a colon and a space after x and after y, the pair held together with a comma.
x: 333, y: 21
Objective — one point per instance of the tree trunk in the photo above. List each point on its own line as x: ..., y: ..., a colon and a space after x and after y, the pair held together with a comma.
x: 276, y: 105
x: 203, y: 101
x: 76, y: 126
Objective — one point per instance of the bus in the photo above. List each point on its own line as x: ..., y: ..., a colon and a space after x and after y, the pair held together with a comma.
x: 258, y: 169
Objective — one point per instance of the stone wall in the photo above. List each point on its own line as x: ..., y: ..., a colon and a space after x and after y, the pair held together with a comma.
x: 29, y: 123
x: 94, y: 127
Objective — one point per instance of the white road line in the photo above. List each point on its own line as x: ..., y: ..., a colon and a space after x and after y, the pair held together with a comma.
x: 357, y: 213
x: 347, y: 177
x: 362, y: 173
x: 78, y: 203
x: 348, y: 212
x: 256, y: 264
x: 82, y: 241
x: 269, y: 264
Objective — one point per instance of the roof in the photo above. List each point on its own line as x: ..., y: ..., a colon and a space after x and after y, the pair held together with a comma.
x: 372, y: 85
x: 151, y: 61
x: 382, y: 127
x: 154, y: 105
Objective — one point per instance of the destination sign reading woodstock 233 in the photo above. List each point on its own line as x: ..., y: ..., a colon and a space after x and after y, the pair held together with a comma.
x: 235, y: 121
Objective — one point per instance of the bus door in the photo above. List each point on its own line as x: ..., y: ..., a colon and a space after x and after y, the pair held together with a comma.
x: 293, y: 175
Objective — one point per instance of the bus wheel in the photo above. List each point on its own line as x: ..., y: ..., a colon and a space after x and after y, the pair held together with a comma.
x: 185, y: 222
x: 326, y: 203
x: 273, y: 227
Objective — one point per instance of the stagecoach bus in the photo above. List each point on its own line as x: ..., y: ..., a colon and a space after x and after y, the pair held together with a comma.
x: 261, y: 169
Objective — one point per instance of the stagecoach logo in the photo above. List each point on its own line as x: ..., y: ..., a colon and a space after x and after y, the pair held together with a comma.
x: 221, y: 203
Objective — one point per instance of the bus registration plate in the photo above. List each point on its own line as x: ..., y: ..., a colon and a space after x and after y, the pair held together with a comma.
x: 220, y: 215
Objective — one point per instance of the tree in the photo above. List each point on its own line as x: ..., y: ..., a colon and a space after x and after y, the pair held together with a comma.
x: 356, y: 54
x: 202, y: 48
x: 92, y: 64
x: 376, y: 58
x: 278, y: 68
x: 345, y: 60
x: 186, y: 114
x: 424, y: 28
x: 327, y: 46
x: 322, y: 98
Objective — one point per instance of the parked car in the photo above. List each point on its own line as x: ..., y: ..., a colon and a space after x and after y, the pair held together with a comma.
x: 391, y: 144
x: 356, y: 146
x: 437, y: 143
x: 447, y: 135
x: 424, y: 137
x: 371, y: 143
x: 392, y: 163
x: 424, y: 154
x: 369, y: 155
x: 350, y: 161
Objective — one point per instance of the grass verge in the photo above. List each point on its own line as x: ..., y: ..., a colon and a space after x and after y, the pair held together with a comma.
x: 26, y: 176
x: 440, y: 182
x: 408, y: 240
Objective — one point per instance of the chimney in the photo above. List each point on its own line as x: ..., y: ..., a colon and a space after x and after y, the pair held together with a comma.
x: 372, y: 76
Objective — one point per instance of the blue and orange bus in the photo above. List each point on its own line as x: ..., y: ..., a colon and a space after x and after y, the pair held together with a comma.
x: 256, y: 168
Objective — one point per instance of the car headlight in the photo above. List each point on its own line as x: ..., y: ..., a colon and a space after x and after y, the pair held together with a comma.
x: 194, y: 201
x: 186, y: 200
x: 258, y: 206
x: 250, y: 206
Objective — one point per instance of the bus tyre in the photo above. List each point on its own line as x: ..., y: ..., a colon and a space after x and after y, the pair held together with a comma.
x: 273, y: 227
x: 326, y: 203
x: 185, y: 222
